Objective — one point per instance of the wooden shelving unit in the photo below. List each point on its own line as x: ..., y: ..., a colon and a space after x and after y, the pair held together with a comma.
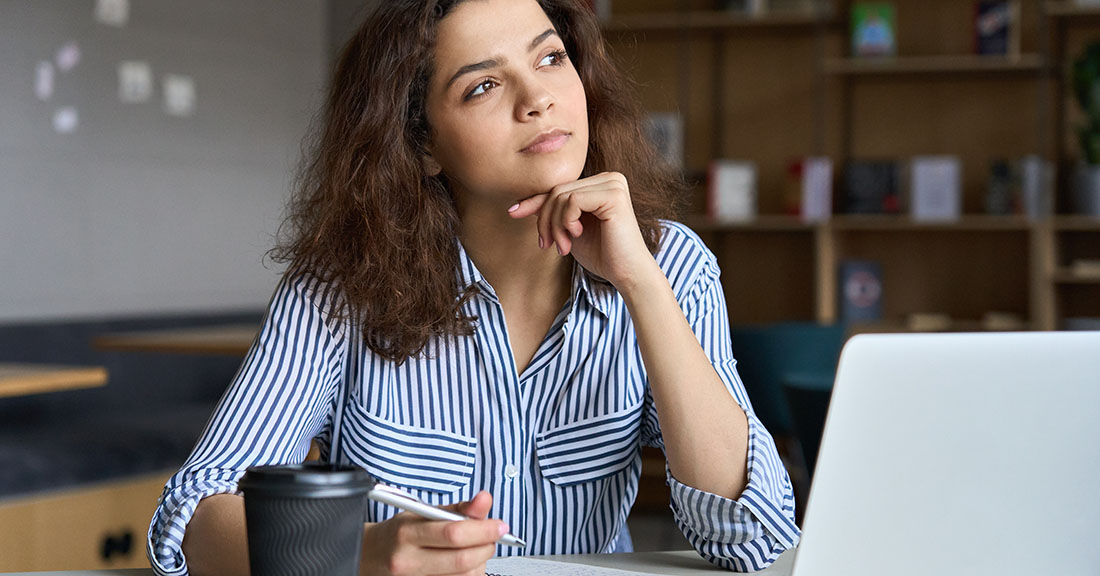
x: 1068, y: 9
x: 945, y: 66
x: 794, y: 91
x: 711, y: 20
x: 973, y: 223
x: 762, y: 223
x: 1068, y: 276
x: 1077, y: 223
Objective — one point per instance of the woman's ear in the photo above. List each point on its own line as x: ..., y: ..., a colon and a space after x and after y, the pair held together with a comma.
x: 430, y: 165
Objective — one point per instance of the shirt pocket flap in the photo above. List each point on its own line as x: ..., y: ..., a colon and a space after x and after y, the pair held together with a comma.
x: 411, y: 456
x: 589, y: 449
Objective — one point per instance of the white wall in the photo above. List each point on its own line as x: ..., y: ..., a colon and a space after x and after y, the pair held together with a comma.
x: 138, y: 211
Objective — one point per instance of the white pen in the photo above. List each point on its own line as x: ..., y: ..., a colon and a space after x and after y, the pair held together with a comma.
x: 409, y: 503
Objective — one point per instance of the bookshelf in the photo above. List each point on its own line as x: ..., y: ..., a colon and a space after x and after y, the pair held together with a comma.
x: 944, y: 67
x: 779, y: 86
x: 710, y: 20
x: 1069, y: 239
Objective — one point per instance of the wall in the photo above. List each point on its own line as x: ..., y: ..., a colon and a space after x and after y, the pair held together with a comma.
x: 138, y: 211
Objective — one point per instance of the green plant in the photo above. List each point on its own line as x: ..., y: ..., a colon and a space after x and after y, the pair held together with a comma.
x: 1086, y: 87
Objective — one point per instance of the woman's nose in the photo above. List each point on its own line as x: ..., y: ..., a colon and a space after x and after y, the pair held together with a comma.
x: 534, y: 101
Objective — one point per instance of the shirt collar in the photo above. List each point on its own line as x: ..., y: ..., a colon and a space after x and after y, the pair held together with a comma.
x: 596, y: 292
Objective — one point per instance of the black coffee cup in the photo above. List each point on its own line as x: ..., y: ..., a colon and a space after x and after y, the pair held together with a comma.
x: 305, y: 519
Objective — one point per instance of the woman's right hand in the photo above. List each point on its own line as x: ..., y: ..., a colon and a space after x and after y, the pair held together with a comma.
x: 407, y: 544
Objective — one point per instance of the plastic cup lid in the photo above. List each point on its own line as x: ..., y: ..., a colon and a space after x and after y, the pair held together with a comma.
x: 307, y: 480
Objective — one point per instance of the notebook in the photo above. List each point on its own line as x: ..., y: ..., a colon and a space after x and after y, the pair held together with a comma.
x: 959, y: 454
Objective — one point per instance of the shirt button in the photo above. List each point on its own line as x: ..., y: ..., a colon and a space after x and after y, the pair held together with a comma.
x: 511, y: 471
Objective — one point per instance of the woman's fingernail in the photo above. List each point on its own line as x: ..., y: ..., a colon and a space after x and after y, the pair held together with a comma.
x: 541, y: 245
x: 503, y: 529
x: 560, y: 253
x: 513, y: 208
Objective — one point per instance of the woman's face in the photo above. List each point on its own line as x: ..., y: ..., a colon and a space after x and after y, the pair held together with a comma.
x: 505, y: 104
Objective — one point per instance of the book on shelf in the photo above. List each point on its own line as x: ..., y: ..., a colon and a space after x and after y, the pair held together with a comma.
x: 935, y: 188
x: 1001, y: 197
x: 665, y: 131
x: 928, y: 322
x: 817, y: 189
x: 1003, y: 322
x: 1085, y: 268
x: 1037, y: 178
x: 731, y: 191
x: 874, y: 29
x: 751, y: 7
x: 997, y: 27
x: 860, y: 291
x: 1019, y: 186
x: 870, y: 187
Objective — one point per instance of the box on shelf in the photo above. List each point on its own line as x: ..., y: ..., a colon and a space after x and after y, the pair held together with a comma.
x: 1085, y: 197
x: 997, y: 27
x: 871, y: 187
x: 860, y: 291
x: 873, y: 29
x: 666, y: 131
x: 935, y: 189
x: 731, y: 191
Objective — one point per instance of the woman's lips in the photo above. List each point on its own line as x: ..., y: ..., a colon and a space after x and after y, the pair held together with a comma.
x: 549, y: 142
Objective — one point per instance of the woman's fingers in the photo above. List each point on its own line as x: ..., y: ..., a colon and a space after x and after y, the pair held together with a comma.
x: 477, y: 507
x: 462, y: 534
x: 559, y: 211
x: 441, y: 561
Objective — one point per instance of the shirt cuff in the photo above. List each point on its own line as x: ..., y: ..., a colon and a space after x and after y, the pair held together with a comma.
x: 176, y: 507
x: 765, y: 507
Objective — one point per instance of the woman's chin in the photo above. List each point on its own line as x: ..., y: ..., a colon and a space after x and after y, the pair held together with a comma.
x: 545, y: 180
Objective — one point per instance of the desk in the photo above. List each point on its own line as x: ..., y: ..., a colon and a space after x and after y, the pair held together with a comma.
x: 228, y: 339
x: 672, y: 563
x: 26, y: 379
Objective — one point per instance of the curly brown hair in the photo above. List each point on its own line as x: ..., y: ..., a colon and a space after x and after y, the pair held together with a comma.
x: 367, y: 216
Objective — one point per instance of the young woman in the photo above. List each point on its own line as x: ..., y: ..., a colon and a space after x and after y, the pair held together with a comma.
x: 486, y: 306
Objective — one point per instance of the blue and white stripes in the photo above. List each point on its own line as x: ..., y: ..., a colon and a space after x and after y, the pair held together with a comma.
x: 557, y: 446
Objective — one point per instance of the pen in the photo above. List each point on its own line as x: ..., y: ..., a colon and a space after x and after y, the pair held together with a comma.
x: 409, y: 503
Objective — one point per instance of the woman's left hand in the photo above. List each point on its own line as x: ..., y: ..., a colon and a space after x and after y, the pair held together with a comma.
x: 592, y: 219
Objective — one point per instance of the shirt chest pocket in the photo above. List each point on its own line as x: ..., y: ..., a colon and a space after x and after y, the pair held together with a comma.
x: 424, y: 459
x: 590, y: 449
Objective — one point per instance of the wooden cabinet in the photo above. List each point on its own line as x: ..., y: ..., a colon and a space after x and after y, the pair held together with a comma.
x: 84, y: 528
x: 781, y: 86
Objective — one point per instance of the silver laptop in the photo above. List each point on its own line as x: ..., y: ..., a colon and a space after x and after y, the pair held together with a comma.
x: 974, y: 454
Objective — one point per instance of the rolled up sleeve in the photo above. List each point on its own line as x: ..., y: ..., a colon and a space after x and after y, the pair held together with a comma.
x: 280, y: 399
x: 749, y: 533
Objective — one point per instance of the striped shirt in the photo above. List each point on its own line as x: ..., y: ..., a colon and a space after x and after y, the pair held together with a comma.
x: 558, y: 446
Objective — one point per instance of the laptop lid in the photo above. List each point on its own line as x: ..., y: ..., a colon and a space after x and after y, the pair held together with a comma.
x: 959, y: 454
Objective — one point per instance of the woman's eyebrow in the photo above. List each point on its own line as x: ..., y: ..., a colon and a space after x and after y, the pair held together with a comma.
x: 497, y: 61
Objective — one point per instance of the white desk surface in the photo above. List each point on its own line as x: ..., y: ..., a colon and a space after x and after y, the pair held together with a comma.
x: 671, y: 563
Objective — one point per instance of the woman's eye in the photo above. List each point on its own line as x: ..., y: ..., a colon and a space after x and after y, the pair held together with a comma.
x: 483, y: 87
x: 555, y: 58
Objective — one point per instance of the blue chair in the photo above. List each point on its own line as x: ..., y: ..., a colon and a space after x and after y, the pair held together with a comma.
x: 788, y: 371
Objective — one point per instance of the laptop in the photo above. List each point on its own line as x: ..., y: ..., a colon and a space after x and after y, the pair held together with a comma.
x: 974, y: 454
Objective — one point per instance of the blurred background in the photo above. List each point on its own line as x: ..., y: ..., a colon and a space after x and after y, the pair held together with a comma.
x: 856, y: 166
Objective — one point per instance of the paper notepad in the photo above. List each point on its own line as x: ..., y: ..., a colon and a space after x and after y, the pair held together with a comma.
x: 520, y: 566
